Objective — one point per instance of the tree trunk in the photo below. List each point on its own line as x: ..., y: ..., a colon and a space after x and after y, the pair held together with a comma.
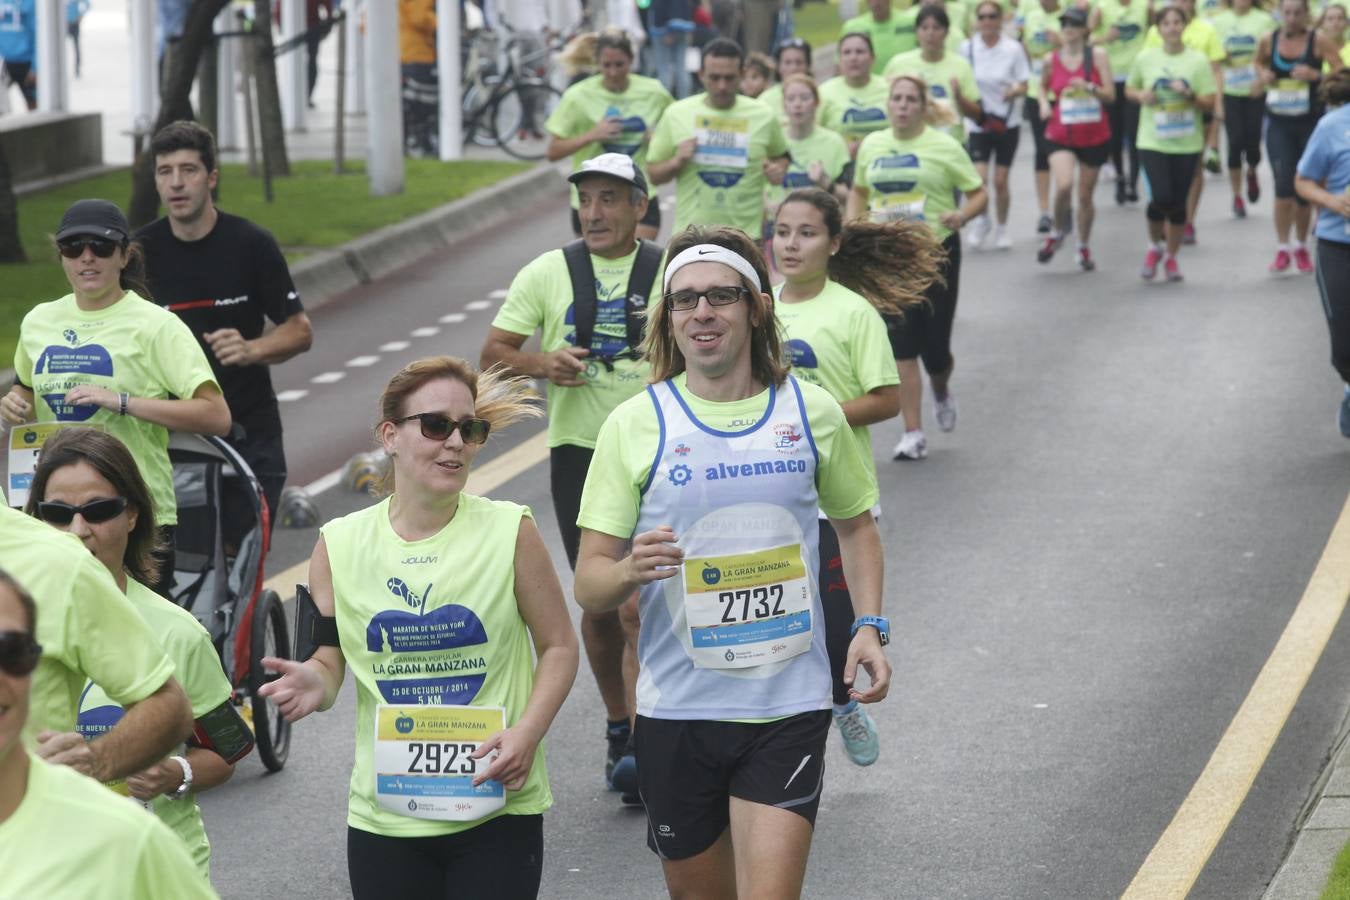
x: 273, y: 135
x: 175, y: 102
x: 11, y: 247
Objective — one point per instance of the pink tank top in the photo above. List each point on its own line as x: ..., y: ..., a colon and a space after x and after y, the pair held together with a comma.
x: 1078, y: 119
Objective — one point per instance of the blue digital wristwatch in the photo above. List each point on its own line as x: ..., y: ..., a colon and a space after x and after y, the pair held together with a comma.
x: 880, y: 623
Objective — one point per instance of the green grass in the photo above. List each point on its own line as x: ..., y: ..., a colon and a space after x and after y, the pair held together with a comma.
x: 312, y: 209
x: 1338, y: 885
x: 819, y: 23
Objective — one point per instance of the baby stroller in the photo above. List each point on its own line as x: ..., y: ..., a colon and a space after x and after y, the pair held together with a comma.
x: 220, y: 544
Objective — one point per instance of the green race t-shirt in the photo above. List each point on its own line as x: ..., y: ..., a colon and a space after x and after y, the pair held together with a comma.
x: 773, y: 99
x: 628, y: 443
x: 1198, y: 35
x: 889, y: 38
x: 86, y: 626
x: 540, y: 299
x: 939, y: 76
x: 1131, y: 22
x: 71, y: 837
x: 587, y: 102
x: 838, y: 341
x: 1241, y: 35
x: 432, y: 622
x: 853, y: 112
x: 914, y: 179
x: 823, y: 146
x: 198, y: 670
x: 1038, y: 30
x: 724, y: 183
x: 1172, y: 123
x: 133, y: 346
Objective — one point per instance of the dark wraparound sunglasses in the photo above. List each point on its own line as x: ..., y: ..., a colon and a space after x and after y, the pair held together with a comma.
x: 717, y: 296
x: 94, y: 512
x: 437, y: 427
x: 74, y: 248
x: 18, y: 653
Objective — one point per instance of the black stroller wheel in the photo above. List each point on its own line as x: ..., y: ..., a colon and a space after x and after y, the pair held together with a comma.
x: 271, y: 731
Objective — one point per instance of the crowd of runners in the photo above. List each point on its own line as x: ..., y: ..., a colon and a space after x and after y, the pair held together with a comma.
x: 709, y: 402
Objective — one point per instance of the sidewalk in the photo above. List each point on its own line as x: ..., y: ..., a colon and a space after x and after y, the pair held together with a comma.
x: 1323, y: 829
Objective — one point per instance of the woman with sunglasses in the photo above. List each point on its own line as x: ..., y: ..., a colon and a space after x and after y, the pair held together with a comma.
x: 103, y: 355
x: 914, y: 171
x: 88, y: 485
x: 950, y: 80
x: 791, y: 57
x: 442, y: 601
x: 62, y: 834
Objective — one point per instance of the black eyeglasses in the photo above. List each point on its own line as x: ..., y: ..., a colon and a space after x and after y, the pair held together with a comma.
x: 717, y: 296
x: 94, y: 512
x: 74, y: 248
x: 18, y: 653
x: 437, y: 427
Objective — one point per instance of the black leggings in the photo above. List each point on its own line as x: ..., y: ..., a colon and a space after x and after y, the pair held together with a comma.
x: 1169, y: 181
x: 1242, y: 117
x: 1333, y: 281
x: 926, y: 331
x: 1124, y: 116
x: 838, y: 606
x: 568, y: 465
x: 1286, y: 139
x: 502, y: 859
x: 1032, y: 113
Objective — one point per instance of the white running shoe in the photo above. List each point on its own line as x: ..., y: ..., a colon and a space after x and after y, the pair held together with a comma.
x: 912, y: 446
x: 977, y: 231
x: 1002, y: 240
x: 945, y: 409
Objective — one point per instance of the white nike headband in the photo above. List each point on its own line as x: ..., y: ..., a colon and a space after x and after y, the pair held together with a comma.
x: 712, y: 253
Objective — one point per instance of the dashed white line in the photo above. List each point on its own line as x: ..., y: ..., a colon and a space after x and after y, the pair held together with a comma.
x: 425, y: 331
x: 476, y: 305
x: 327, y: 377
x: 452, y: 318
x: 394, y: 346
x: 498, y: 294
x: 291, y: 395
x: 318, y: 486
x: 360, y: 362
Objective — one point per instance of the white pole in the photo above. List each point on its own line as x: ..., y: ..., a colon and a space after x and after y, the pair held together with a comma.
x: 384, y: 125
x: 356, y: 58
x: 51, y: 56
x: 447, y: 67
x: 143, y: 68
x: 293, y: 82
x: 227, y: 92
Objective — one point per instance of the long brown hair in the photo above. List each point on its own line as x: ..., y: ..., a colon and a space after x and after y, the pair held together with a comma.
x: 111, y: 459
x: 766, y: 342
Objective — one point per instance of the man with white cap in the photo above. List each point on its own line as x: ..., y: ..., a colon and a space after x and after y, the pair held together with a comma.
x: 588, y: 301
x: 704, y: 497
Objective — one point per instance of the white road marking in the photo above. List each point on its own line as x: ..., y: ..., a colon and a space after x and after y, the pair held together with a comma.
x: 327, y: 377
x: 452, y: 318
x: 476, y: 305
x: 425, y: 331
x: 318, y: 486
x: 360, y: 362
x: 498, y: 294
x: 291, y: 395
x: 394, y: 346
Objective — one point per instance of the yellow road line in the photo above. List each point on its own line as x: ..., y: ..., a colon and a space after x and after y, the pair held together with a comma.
x: 491, y: 476
x: 1180, y: 854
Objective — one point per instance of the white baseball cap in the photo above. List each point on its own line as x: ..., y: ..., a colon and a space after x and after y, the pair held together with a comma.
x: 613, y: 165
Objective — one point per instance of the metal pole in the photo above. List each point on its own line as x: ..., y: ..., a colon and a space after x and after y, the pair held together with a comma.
x: 340, y: 119
x: 227, y: 132
x: 143, y: 91
x: 292, y: 67
x: 51, y: 56
x: 356, y: 62
x: 249, y: 56
x: 448, y: 69
x: 384, y: 126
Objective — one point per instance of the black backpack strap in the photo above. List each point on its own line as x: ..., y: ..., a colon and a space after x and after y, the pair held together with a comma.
x: 579, y: 267
x: 1088, y: 51
x: 645, y: 264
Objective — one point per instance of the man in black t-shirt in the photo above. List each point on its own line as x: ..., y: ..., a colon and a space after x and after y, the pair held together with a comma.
x: 225, y: 277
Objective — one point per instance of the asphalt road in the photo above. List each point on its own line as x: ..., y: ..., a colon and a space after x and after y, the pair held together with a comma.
x: 1084, y: 579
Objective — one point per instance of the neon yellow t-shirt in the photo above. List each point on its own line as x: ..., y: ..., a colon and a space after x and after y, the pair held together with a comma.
x: 773, y: 99
x: 435, y: 622
x: 628, y: 443
x: 133, y: 346
x: 838, y: 341
x: 86, y: 626
x: 1198, y: 35
x: 853, y: 112
x: 540, y: 299
x: 914, y: 179
x: 1131, y: 23
x: 586, y: 103
x: 939, y: 76
x: 1241, y: 35
x: 198, y: 669
x: 1172, y: 123
x: 889, y: 38
x: 823, y: 146
x: 71, y: 837
x: 724, y: 183
x: 1038, y: 29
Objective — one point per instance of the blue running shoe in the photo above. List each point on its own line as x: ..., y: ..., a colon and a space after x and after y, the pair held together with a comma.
x: 1343, y: 415
x: 859, y: 734
x: 623, y: 777
x: 618, y: 736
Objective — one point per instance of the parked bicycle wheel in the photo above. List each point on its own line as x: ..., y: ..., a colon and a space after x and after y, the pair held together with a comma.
x: 477, y: 123
x: 518, y: 119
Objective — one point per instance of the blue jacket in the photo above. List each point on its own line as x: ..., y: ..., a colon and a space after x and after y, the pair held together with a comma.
x: 18, y: 30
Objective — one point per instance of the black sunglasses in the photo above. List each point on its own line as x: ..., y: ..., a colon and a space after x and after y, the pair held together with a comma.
x: 717, y: 296
x: 437, y: 427
x: 94, y: 511
x: 18, y: 653
x: 74, y: 247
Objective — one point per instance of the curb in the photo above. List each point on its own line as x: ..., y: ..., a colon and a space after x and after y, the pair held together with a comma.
x: 1321, y: 830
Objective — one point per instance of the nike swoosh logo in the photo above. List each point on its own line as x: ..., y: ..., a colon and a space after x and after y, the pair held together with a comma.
x: 801, y: 765
x: 705, y: 252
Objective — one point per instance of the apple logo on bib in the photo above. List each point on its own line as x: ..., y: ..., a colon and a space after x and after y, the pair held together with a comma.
x: 711, y: 574
x: 404, y: 724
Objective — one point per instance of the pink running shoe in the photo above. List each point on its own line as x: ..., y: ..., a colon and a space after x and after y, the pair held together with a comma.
x: 1151, y: 260
x: 1171, y: 270
x: 1282, y: 262
x: 1302, y: 260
